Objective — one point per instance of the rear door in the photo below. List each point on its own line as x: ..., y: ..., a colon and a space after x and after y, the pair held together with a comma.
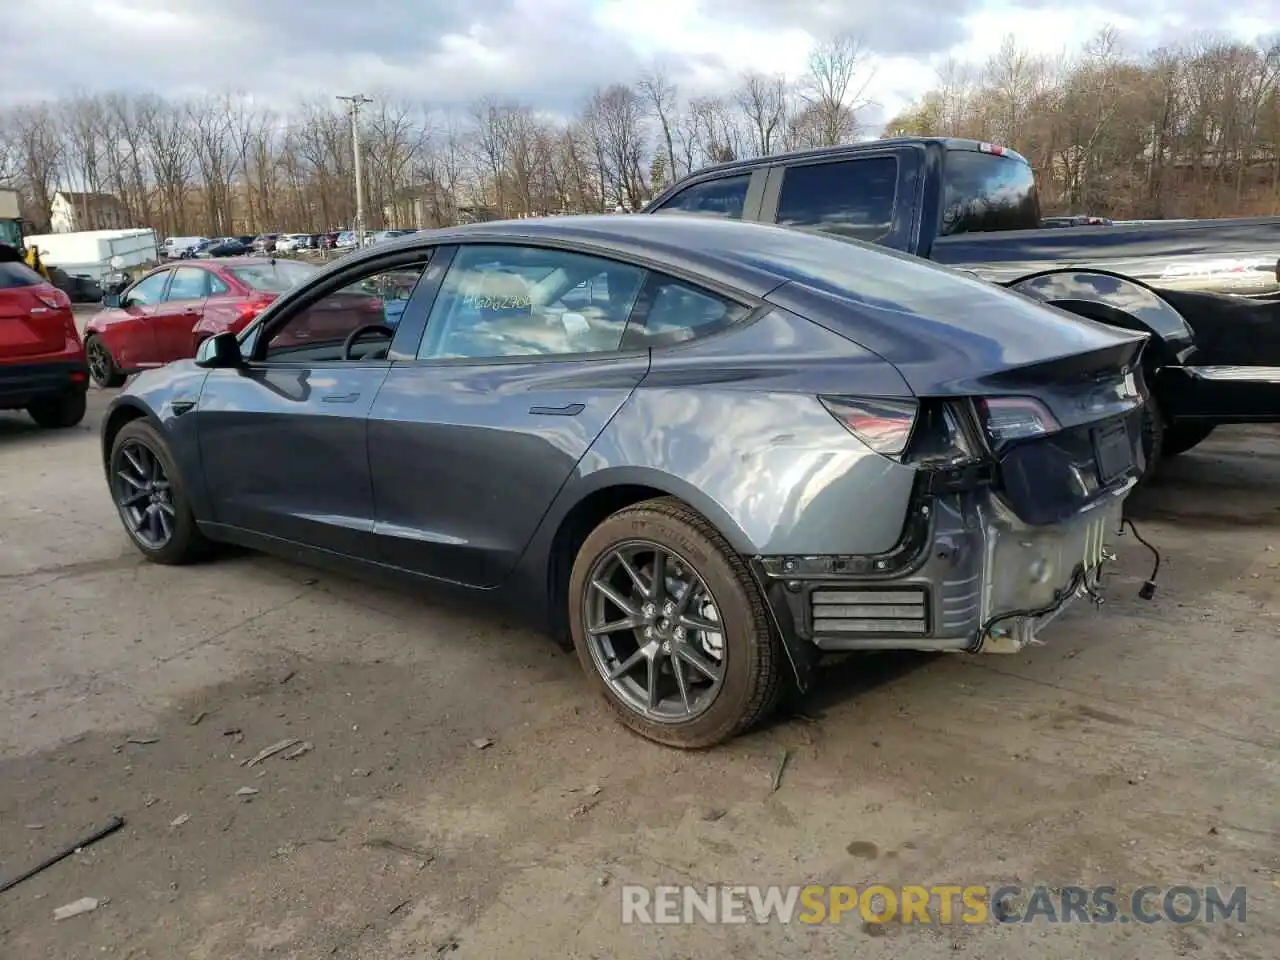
x: 31, y: 322
x: 520, y: 368
x: 870, y: 196
x: 176, y: 316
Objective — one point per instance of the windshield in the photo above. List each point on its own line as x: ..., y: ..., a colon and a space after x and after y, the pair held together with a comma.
x: 276, y: 277
x: 986, y: 192
x: 10, y: 233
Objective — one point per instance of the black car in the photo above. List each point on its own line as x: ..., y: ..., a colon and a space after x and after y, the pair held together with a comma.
x: 1207, y: 292
x: 704, y: 452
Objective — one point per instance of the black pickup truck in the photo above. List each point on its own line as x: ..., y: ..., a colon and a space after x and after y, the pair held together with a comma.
x: 1208, y: 291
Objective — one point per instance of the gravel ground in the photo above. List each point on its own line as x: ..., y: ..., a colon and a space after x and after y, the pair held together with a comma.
x: 1137, y: 747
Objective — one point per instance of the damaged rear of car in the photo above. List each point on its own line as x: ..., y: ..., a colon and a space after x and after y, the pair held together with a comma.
x: 1023, y: 432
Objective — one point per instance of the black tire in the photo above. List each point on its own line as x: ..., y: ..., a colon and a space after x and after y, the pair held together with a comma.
x: 1153, y: 436
x: 186, y: 543
x: 59, y: 413
x: 102, y: 366
x: 754, y: 660
x: 1181, y: 437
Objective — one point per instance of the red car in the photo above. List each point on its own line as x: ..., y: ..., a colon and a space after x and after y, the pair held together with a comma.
x: 42, y: 361
x: 165, y: 315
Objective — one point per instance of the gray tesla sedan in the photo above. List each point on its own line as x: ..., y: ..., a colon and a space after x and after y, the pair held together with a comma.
x: 706, y: 451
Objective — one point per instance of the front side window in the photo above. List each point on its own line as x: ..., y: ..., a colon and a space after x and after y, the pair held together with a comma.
x: 508, y: 301
x: 853, y: 198
x: 147, y: 292
x: 317, y: 333
x: 726, y: 197
x: 189, y: 283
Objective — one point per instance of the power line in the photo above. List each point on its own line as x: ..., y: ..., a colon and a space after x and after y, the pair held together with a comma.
x: 354, y: 103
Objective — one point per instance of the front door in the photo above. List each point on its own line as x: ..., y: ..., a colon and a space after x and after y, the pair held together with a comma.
x: 521, y: 366
x: 176, y: 316
x: 283, y: 440
x: 130, y: 335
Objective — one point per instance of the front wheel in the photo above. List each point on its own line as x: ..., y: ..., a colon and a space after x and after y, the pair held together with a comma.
x: 60, y: 412
x: 670, y: 626
x: 102, y: 366
x: 150, y: 497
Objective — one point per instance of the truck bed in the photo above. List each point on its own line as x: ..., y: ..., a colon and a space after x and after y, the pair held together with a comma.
x: 1237, y: 256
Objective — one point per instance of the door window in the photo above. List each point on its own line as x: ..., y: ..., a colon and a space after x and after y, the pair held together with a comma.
x: 148, y: 291
x: 318, y: 331
x: 217, y: 286
x: 853, y: 198
x: 726, y: 197
x: 189, y: 283
x: 507, y: 301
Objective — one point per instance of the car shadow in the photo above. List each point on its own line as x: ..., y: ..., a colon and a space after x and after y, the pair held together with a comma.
x: 1233, y: 478
x: 844, y: 678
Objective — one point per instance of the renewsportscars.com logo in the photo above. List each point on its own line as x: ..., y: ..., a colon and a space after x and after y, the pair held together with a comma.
x: 918, y: 904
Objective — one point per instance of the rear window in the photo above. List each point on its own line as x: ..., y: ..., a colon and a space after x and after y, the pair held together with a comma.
x: 18, y: 275
x: 985, y: 192
x: 278, y: 277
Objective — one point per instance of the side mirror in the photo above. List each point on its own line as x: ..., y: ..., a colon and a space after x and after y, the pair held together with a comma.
x: 111, y: 301
x: 220, y: 352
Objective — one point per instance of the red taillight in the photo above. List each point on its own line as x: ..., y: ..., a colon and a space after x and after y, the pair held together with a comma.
x: 54, y: 301
x: 1015, y: 418
x: 252, y: 308
x: 884, y: 425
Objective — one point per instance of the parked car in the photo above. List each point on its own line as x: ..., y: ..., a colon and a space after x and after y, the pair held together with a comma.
x: 174, y: 248
x: 265, y: 243
x: 345, y: 240
x: 167, y: 313
x: 1076, y: 220
x: 1207, y: 291
x: 708, y: 452
x: 42, y: 361
x: 225, y: 247
x: 292, y: 242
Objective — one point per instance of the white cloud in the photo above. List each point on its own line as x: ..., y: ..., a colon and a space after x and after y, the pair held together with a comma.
x: 547, y: 52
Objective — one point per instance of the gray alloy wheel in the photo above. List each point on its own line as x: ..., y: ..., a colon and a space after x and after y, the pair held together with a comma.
x: 671, y: 627
x: 144, y: 495
x: 653, y: 631
x: 150, y: 498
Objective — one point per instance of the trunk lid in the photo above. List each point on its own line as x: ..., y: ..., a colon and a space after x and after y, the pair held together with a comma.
x: 955, y: 336
x: 35, y: 316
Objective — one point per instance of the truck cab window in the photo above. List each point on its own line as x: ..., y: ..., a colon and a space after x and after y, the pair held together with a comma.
x: 725, y: 197
x: 853, y: 198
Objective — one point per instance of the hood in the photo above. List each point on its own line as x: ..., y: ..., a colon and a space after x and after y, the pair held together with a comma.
x: 964, y: 337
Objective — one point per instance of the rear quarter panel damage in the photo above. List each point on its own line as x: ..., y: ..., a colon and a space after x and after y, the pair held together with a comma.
x: 732, y: 425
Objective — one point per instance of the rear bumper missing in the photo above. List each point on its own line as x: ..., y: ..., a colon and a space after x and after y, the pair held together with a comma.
x: 969, y: 576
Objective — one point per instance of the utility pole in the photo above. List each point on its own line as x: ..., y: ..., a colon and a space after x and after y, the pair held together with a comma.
x: 354, y: 103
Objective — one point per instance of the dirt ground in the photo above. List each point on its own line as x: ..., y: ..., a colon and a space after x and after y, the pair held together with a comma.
x: 1138, y: 747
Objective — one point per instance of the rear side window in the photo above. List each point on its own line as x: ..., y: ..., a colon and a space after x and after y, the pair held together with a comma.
x: 279, y: 276
x: 852, y: 198
x: 14, y: 275
x: 726, y: 197
x: 675, y: 312
x: 984, y: 192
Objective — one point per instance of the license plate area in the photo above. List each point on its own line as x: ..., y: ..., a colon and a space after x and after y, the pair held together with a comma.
x: 1112, y: 452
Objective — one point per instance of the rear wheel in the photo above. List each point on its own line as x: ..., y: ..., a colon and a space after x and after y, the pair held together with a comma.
x: 671, y: 627
x: 102, y: 367
x: 59, y: 412
x: 150, y: 497
x: 1181, y: 437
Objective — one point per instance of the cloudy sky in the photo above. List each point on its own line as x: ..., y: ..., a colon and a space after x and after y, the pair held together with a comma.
x: 547, y: 52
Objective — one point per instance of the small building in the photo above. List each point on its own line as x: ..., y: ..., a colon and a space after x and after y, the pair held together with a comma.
x: 73, y: 212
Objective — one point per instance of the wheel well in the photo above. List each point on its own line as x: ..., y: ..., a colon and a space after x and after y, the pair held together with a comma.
x: 577, y: 525
x: 115, y: 423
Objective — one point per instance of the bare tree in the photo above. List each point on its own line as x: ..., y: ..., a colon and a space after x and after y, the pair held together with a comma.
x: 834, y: 89
x: 661, y: 96
x: 763, y: 101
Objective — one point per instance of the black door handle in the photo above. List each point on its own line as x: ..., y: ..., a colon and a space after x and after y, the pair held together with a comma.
x: 182, y: 406
x: 568, y: 410
x: 341, y: 398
